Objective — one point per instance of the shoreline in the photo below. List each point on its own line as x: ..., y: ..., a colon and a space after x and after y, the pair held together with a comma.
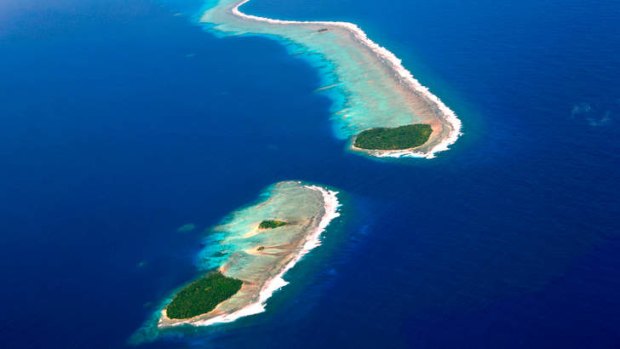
x: 400, y: 73
x: 310, y: 241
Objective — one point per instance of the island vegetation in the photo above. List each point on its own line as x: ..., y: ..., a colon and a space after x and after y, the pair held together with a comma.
x: 271, y: 224
x: 403, y: 137
x: 202, y: 296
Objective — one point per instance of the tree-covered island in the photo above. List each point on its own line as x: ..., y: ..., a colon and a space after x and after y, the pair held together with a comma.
x: 202, y: 296
x: 397, y: 138
x: 271, y: 224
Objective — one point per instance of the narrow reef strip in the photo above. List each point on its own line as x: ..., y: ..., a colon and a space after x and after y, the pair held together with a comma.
x: 379, y: 91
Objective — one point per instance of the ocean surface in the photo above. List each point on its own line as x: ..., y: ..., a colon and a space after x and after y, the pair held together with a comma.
x: 121, y: 121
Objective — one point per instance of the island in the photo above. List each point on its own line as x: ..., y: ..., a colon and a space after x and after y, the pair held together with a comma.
x: 249, y: 253
x: 397, y: 138
x: 378, y: 106
x: 271, y: 224
x: 202, y: 295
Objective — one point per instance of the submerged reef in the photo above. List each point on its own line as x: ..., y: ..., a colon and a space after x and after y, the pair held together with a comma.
x: 186, y: 228
x: 370, y: 87
x: 256, y: 255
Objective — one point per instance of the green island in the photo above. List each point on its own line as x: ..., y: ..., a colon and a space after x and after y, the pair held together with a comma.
x: 271, y: 224
x: 403, y: 137
x: 202, y: 296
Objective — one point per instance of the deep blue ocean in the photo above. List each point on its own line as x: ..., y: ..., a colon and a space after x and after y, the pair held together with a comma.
x: 122, y: 120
